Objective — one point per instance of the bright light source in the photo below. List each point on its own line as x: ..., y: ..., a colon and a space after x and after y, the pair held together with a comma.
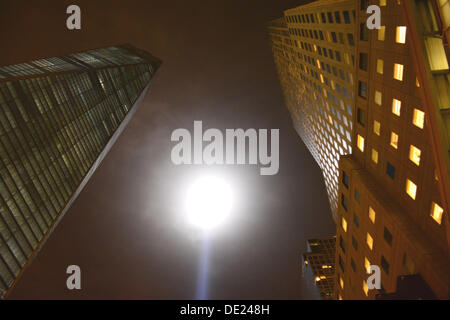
x: 208, y: 202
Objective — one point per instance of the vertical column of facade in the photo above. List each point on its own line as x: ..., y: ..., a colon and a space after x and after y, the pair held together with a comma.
x: 390, y: 209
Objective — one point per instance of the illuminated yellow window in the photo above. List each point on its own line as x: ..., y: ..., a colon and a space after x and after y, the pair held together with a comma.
x: 418, y: 118
x: 414, y: 154
x: 436, y: 212
x: 394, y: 140
x: 360, y: 143
x: 382, y: 3
x: 340, y: 297
x: 372, y: 214
x: 374, y: 155
x: 341, y: 282
x: 398, y: 71
x: 378, y: 97
x: 417, y: 83
x: 315, y: 48
x: 381, y: 33
x: 369, y: 241
x: 400, y: 35
x: 365, y: 288
x: 376, y: 127
x: 318, y: 63
x: 366, y: 264
x: 321, y: 78
x: 344, y: 224
x: 347, y: 58
x: 380, y: 66
x: 396, y: 107
x: 411, y: 189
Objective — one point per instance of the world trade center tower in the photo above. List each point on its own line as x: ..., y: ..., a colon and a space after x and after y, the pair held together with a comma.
x: 58, y: 119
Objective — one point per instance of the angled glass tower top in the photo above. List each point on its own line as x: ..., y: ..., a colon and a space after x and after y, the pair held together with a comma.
x: 58, y: 119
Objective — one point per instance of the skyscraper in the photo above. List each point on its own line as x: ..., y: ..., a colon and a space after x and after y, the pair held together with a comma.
x: 314, y: 51
x: 393, y: 210
x: 58, y: 119
x: 320, y: 259
x: 393, y: 192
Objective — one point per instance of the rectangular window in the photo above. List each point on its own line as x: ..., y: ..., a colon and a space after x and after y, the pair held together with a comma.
x: 330, y: 17
x: 369, y: 241
x: 378, y: 98
x: 363, y: 32
x: 382, y: 3
x: 376, y: 127
x: 380, y: 66
x: 374, y: 155
x: 367, y: 264
x: 346, y: 17
x: 411, y: 189
x: 387, y: 236
x: 357, y: 196
x: 381, y: 33
x: 384, y: 264
x: 361, y: 117
x: 354, y: 243
x: 344, y: 224
x: 365, y: 288
x: 360, y: 143
x: 345, y: 179
x: 394, y: 140
x: 341, y: 263
x: 436, y: 212
x: 414, y: 155
x: 362, y: 89
x: 418, y: 118
x: 342, y: 244
x: 352, y: 263
x: 355, y: 220
x: 372, y: 214
x: 364, y: 4
x: 390, y: 170
x: 351, y: 41
x: 363, y: 61
x: 400, y: 34
x: 337, y: 17
x: 396, y: 107
x: 398, y: 72
x: 344, y: 202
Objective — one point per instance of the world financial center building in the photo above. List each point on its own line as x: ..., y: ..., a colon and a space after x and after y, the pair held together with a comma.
x: 58, y: 119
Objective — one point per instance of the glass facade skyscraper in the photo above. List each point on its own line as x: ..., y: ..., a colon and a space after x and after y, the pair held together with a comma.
x: 58, y: 119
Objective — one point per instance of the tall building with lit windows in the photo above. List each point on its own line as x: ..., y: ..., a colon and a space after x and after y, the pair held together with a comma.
x: 319, y: 258
x: 314, y: 52
x: 58, y: 119
x: 394, y: 189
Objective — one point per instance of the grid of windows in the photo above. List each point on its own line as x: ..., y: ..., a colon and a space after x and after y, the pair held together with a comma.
x: 315, y: 60
x: 53, y: 127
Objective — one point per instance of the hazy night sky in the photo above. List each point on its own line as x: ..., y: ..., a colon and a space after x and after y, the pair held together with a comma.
x: 125, y: 230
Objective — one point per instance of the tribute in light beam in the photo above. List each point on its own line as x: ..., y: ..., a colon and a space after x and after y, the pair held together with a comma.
x: 208, y: 204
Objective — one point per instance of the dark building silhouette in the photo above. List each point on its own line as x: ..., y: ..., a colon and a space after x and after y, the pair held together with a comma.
x: 58, y: 119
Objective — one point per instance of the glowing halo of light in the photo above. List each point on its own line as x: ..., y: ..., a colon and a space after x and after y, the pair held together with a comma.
x: 208, y: 202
